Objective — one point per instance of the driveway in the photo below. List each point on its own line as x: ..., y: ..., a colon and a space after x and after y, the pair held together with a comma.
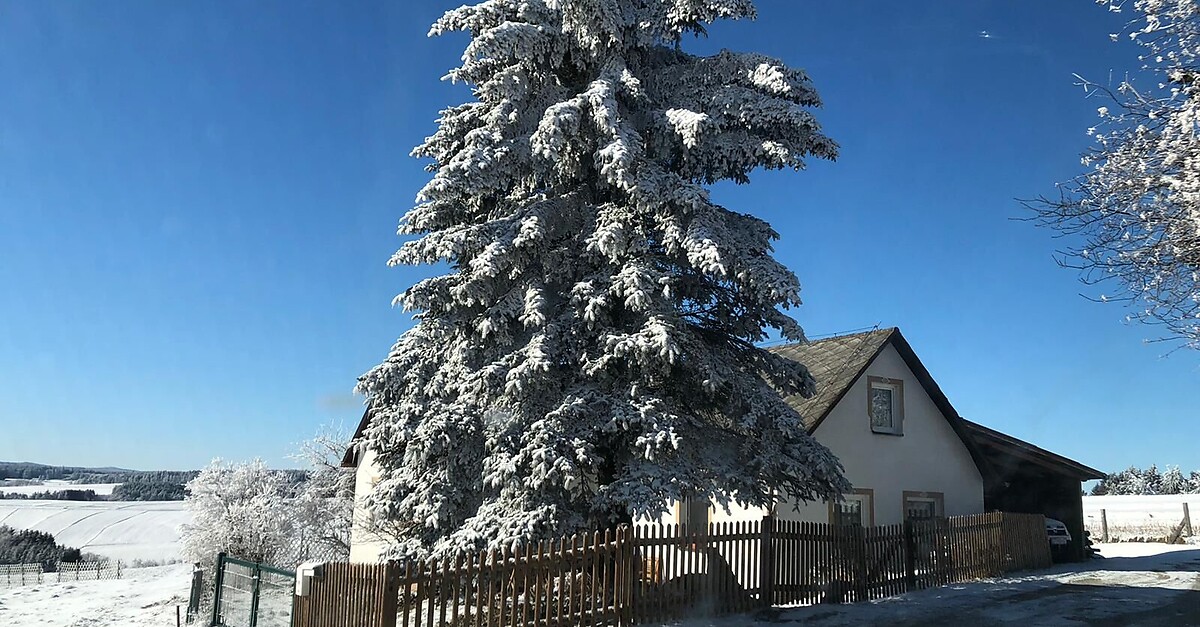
x: 1140, y: 585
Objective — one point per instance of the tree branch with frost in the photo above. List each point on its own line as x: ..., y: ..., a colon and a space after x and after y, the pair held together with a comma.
x: 1135, y: 212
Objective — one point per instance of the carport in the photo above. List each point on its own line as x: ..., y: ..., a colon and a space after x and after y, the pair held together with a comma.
x: 1023, y: 478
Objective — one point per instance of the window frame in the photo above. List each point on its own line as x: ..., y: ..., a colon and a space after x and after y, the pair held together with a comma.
x: 864, y: 495
x: 937, y: 498
x: 896, y: 386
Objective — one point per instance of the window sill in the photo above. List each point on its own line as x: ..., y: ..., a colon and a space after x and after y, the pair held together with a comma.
x: 892, y: 433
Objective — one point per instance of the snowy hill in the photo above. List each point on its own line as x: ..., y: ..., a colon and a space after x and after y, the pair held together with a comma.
x: 1140, y: 516
x: 57, y: 485
x: 145, y: 530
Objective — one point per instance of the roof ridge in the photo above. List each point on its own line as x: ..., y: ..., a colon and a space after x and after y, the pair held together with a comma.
x: 854, y: 356
x: 810, y: 340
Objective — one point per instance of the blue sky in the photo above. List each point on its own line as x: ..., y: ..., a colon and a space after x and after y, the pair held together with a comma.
x: 197, y: 201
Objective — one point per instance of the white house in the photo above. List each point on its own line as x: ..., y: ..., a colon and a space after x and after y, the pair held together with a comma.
x: 904, y: 448
x: 902, y: 445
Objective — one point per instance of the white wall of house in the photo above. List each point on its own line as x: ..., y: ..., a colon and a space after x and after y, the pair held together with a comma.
x: 365, y: 546
x: 928, y: 457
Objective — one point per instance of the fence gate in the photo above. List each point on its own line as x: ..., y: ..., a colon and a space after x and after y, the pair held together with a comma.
x: 250, y: 594
x: 353, y: 595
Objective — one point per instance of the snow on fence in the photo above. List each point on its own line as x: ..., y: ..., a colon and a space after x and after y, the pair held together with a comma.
x: 654, y: 573
x: 21, y: 574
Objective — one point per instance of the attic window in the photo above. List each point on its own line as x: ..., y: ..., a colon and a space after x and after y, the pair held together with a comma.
x: 885, y: 405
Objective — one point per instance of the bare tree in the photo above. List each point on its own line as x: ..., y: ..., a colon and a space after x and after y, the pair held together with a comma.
x: 1137, y: 208
x: 323, y: 505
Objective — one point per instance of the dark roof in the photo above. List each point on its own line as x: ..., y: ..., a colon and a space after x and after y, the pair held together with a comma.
x: 1005, y: 451
x: 350, y: 459
x: 836, y: 363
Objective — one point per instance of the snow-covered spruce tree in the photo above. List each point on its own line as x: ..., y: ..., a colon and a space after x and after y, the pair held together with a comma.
x: 1173, y: 481
x: 1136, y: 211
x: 591, y: 354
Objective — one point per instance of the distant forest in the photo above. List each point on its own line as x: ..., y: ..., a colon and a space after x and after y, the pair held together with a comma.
x: 33, y: 547
x: 1136, y: 481
x: 135, y: 485
x: 42, y: 472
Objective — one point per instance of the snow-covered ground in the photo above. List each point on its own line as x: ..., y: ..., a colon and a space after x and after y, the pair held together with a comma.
x: 124, y: 530
x: 1138, y: 584
x: 1140, y: 516
x: 54, y: 485
x: 144, y: 597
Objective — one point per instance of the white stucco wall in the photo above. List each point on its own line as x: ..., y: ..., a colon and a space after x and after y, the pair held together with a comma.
x: 365, y: 547
x: 928, y: 457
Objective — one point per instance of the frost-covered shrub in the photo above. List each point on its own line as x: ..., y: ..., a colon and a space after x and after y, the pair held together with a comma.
x: 239, y: 509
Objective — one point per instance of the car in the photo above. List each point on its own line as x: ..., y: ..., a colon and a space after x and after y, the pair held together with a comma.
x: 1057, y: 532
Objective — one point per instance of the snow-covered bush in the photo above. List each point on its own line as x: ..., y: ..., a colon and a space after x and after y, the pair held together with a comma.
x: 323, y: 505
x: 591, y: 355
x: 252, y: 512
x: 239, y: 509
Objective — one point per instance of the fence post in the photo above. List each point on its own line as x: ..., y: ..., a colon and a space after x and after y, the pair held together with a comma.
x: 196, y: 592
x: 626, y: 573
x: 910, y: 556
x: 1187, y: 520
x: 256, y: 578
x: 1103, y: 526
x: 391, y: 594
x: 218, y: 579
x: 766, y: 562
x: 862, y: 590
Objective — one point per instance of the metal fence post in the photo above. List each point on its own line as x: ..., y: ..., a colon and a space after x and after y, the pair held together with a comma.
x: 218, y: 579
x: 257, y: 579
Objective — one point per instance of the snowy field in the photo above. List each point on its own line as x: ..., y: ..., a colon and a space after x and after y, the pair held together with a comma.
x: 144, y: 597
x: 1139, y: 516
x: 57, y: 486
x: 124, y: 530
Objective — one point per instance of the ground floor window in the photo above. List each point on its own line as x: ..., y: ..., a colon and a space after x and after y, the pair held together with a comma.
x: 923, y: 505
x: 692, y: 515
x: 856, y: 509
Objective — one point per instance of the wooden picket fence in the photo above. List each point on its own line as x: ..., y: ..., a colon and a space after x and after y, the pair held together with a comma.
x: 654, y: 573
